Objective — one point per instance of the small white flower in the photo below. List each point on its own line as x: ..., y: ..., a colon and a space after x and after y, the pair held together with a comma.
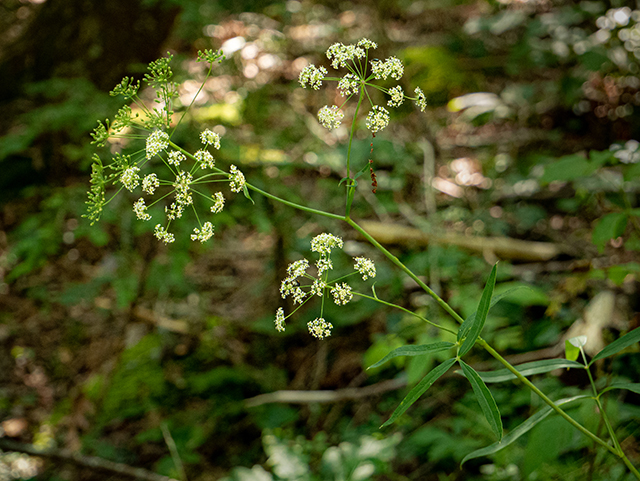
x: 365, y: 267
x: 205, y: 159
x: 341, y: 294
x: 130, y: 178
x: 150, y: 183
x: 397, y: 97
x: 349, y: 85
x: 163, y: 234
x: 298, y: 268
x: 156, y: 142
x: 203, y: 234
x: 367, y: 44
x: 209, y: 137
x: 312, y: 76
x: 325, y: 242
x: 390, y: 67
x: 320, y: 328
x: 317, y: 288
x: 182, y: 187
x: 141, y: 210
x: 175, y: 157
x: 280, y: 319
x: 218, y: 204
x: 290, y: 287
x: 175, y: 211
x: 421, y: 101
x: 340, y: 54
x: 323, y: 265
x: 377, y: 119
x: 330, y: 117
x: 237, y: 179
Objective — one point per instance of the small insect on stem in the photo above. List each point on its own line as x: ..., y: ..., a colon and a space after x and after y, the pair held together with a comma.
x: 374, y: 179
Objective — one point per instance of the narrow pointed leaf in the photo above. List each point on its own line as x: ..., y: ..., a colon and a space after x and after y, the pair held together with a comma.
x: 529, y: 369
x: 481, y: 314
x: 414, y: 351
x: 618, y: 345
x: 519, y: 431
x: 466, y: 325
x: 629, y: 386
x: 420, y: 389
x: 485, y: 399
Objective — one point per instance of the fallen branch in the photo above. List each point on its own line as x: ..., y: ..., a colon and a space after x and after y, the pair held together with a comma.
x: 92, y: 462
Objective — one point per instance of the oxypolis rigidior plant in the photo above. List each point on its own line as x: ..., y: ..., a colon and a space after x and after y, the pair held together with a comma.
x: 190, y: 171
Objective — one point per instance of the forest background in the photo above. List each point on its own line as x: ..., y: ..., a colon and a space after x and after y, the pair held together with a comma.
x: 118, y: 348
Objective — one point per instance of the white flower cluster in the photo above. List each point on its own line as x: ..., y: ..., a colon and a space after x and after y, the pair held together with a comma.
x: 365, y: 267
x: 175, y: 157
x: 320, y: 328
x: 349, y: 85
x: 156, y: 143
x: 377, y: 119
x: 130, y: 178
x: 150, y: 183
x: 397, y: 97
x: 324, y: 243
x: 341, y: 54
x: 205, y: 159
x: 280, y: 319
x: 312, y: 76
x: 330, y: 117
x: 218, y: 203
x: 290, y: 285
x: 209, y: 137
x: 421, y: 100
x: 163, y: 234
x: 341, y: 294
x: 237, y: 179
x: 141, y: 210
x: 203, y: 234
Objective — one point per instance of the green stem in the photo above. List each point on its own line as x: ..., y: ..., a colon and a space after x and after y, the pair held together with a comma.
x: 396, y: 306
x: 294, y: 205
x: 544, y: 397
x: 350, y: 187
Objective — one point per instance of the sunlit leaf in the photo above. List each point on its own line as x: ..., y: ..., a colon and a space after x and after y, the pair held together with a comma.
x: 414, y: 351
x: 571, y: 352
x: 618, y: 345
x: 520, y: 430
x: 481, y: 314
x: 420, y: 389
x: 485, y: 399
x: 529, y: 369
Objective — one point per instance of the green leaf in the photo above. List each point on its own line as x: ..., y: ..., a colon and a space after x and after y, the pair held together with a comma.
x: 629, y: 386
x: 485, y: 399
x: 466, y: 325
x: 568, y: 168
x: 520, y: 430
x: 608, y: 227
x: 571, y: 352
x: 420, y: 389
x: 529, y: 369
x: 481, y: 314
x: 414, y: 351
x: 618, y: 345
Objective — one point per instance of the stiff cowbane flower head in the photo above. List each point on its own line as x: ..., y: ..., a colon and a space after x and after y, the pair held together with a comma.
x: 150, y: 183
x: 391, y: 67
x: 218, y: 203
x: 182, y: 187
x: 291, y: 287
x: 205, y: 159
x: 280, y: 319
x: 330, y: 117
x: 341, y: 293
x: 312, y: 76
x: 130, y: 178
x: 367, y: 44
x: 421, y: 100
x: 141, y: 210
x: 209, y: 137
x: 237, y: 179
x: 341, y: 54
x: 156, y: 143
x: 377, y: 119
x: 397, y: 97
x: 175, y: 157
x: 323, y: 265
x: 320, y: 328
x: 324, y: 243
x: 203, y: 234
x: 317, y: 288
x: 365, y: 267
x: 163, y: 234
x: 298, y: 268
x: 349, y: 85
